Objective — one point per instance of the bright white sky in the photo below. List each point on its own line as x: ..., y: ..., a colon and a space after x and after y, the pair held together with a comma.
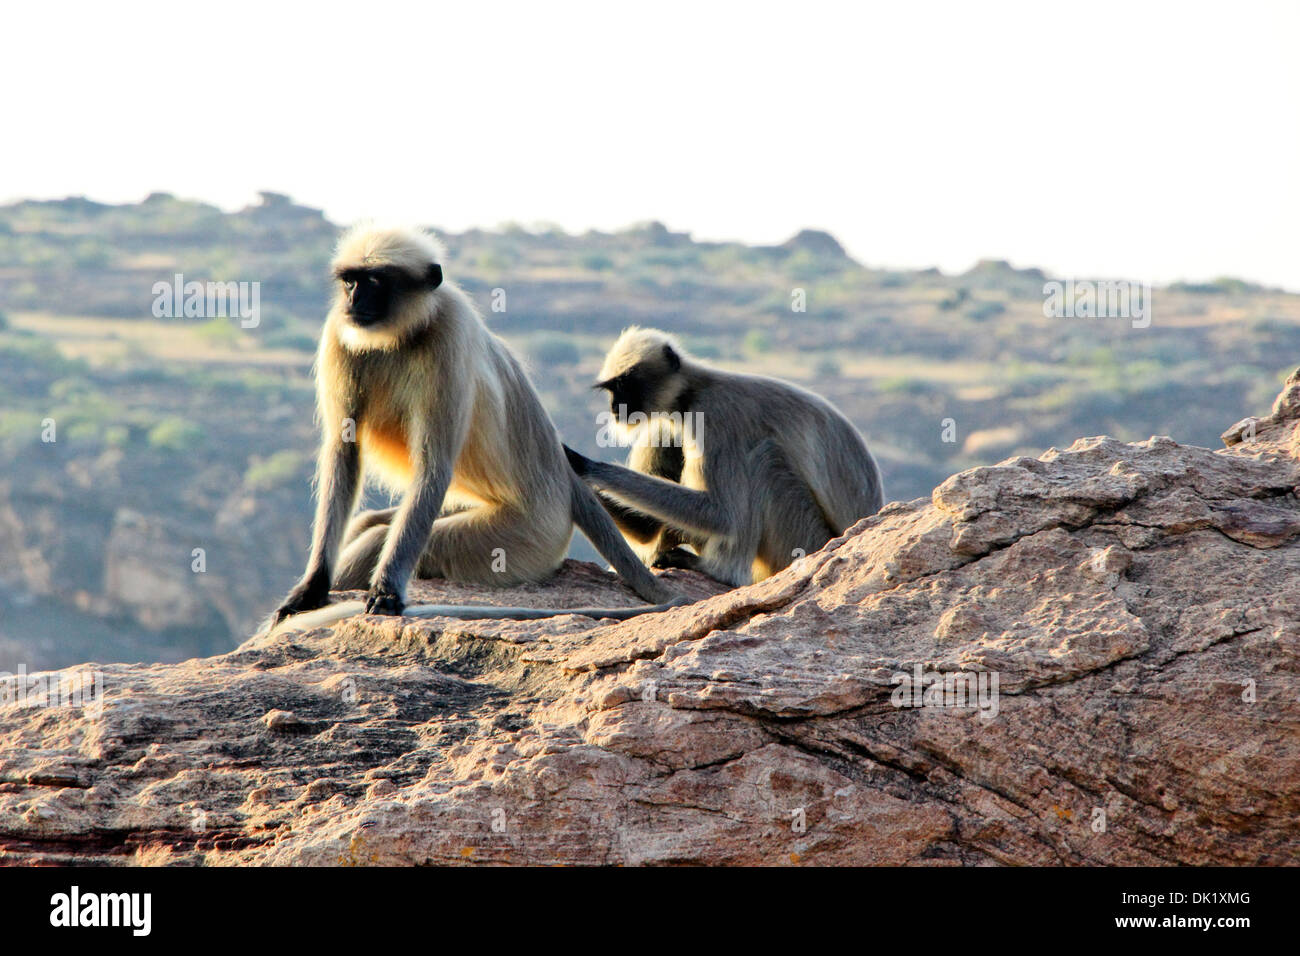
x: 1142, y: 140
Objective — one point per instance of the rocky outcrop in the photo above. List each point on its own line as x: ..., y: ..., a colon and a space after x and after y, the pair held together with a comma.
x: 1113, y: 630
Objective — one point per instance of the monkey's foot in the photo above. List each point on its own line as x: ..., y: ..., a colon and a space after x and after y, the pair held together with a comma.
x: 383, y: 601
x: 678, y: 558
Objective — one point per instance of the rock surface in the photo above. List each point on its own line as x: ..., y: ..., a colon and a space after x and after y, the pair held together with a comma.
x: 1138, y: 605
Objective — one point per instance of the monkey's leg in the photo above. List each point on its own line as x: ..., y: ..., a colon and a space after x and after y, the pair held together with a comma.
x: 363, y: 542
x: 359, y: 558
x: 493, y: 545
x: 364, y: 520
x: 792, y: 522
x: 677, y: 557
x: 775, y: 514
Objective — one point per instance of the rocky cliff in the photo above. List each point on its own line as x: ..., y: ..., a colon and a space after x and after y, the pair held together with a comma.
x: 1085, y: 658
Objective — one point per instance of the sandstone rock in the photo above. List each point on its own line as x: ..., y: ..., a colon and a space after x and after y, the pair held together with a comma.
x: 1136, y: 603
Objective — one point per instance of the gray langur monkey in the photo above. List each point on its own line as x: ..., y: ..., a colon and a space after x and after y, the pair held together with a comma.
x: 413, y: 390
x: 750, y: 471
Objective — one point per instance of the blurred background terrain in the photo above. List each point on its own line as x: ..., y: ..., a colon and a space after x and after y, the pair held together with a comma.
x: 183, y: 434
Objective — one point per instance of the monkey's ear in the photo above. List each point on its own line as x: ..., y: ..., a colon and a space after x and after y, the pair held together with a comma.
x: 672, y: 358
x: 434, y: 277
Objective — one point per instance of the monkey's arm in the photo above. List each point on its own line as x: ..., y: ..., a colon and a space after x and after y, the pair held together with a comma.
x: 407, y: 538
x: 434, y: 453
x: 634, y: 524
x: 662, y: 461
x: 338, y: 474
x: 686, y: 509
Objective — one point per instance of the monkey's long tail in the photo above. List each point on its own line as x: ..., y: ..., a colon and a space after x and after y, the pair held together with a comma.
x: 594, y: 521
x: 323, y: 617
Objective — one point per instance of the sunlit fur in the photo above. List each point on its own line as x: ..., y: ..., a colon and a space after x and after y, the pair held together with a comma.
x: 368, y: 245
x: 636, y: 346
x: 643, y: 349
x: 371, y: 246
x: 771, y: 470
x: 445, y: 416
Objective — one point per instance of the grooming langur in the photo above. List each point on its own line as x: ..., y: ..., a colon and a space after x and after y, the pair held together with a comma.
x: 749, y: 471
x: 414, y: 391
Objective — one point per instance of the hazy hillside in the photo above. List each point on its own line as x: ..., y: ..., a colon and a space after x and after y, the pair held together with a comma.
x: 176, y: 434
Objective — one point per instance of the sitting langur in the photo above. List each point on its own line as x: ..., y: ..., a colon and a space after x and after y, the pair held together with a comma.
x: 751, y: 472
x: 413, y: 390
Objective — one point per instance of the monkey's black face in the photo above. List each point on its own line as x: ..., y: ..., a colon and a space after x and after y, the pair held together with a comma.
x: 372, y: 294
x: 629, y: 393
x: 647, y: 387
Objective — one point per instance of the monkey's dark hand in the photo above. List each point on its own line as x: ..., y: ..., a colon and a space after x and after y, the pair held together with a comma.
x: 307, y: 595
x: 380, y: 600
x: 580, y: 464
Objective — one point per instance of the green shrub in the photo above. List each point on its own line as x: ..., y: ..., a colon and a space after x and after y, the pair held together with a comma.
x: 19, y: 427
x: 903, y: 385
x: 292, y: 339
x: 221, y: 332
x: 175, y: 434
x: 281, y: 468
x: 827, y: 367
x: 757, y: 342
x: 982, y: 311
